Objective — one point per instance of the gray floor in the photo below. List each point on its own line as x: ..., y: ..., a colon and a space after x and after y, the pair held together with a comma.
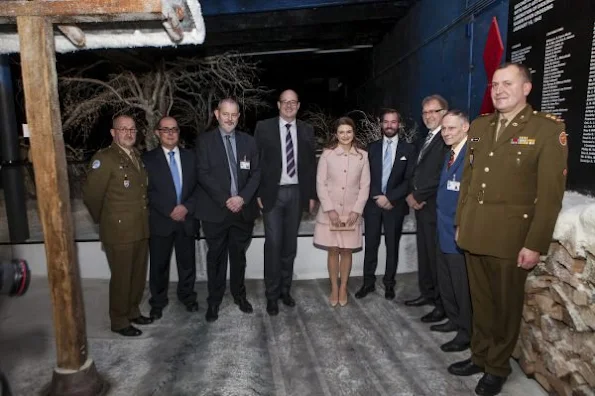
x: 370, y: 347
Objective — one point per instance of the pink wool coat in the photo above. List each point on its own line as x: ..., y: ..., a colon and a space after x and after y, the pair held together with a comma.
x: 342, y: 182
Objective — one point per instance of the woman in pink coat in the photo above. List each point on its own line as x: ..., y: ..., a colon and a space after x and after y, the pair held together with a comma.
x: 343, y: 186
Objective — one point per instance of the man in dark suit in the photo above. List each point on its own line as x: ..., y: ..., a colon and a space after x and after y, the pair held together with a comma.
x: 228, y: 174
x: 171, y: 193
x: 422, y: 198
x: 450, y: 260
x: 392, y: 161
x: 287, y: 187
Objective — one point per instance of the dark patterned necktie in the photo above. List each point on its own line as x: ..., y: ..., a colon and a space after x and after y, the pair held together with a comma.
x: 451, y: 160
x: 289, y: 152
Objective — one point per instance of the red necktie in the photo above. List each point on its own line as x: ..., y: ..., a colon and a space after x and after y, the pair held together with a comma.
x: 451, y: 160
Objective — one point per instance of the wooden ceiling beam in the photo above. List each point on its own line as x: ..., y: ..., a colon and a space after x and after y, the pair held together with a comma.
x: 65, y: 8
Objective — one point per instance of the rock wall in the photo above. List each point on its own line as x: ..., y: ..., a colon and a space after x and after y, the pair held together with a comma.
x: 557, y: 341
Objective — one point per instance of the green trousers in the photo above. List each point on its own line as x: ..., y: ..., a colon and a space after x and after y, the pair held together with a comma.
x: 497, y: 289
x: 128, y: 266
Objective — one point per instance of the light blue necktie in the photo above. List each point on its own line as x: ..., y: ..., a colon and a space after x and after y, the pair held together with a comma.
x: 387, y: 165
x: 175, y: 174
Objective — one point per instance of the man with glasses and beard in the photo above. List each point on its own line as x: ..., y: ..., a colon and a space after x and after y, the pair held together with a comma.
x: 392, y: 162
x: 422, y: 199
x: 115, y: 194
x: 171, y: 192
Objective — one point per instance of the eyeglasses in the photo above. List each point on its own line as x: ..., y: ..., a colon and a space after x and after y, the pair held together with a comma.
x: 126, y: 130
x: 230, y: 115
x: 429, y: 112
x: 169, y: 131
x: 291, y: 103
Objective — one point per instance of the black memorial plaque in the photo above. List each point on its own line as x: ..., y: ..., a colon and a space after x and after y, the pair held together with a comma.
x: 556, y: 40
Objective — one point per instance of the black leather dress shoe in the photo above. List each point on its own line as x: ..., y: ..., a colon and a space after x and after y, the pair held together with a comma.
x: 490, y: 385
x: 192, y: 307
x: 142, y: 320
x: 364, y: 291
x: 445, y: 327
x: 129, y: 331
x: 389, y: 293
x: 156, y: 313
x: 454, y: 346
x: 436, y: 315
x: 272, y: 307
x: 418, y: 302
x: 212, y: 313
x: 244, y: 305
x: 464, y: 368
x: 288, y: 300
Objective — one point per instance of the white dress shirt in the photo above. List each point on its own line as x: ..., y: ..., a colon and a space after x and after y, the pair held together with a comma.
x: 178, y: 160
x: 285, y: 179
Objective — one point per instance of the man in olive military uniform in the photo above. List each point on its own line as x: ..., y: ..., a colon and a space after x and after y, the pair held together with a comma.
x: 510, y: 196
x: 116, y: 195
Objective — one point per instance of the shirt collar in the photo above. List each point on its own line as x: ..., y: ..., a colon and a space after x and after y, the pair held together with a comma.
x: 223, y: 133
x: 127, y: 151
x: 394, y: 139
x: 284, y: 122
x: 511, y: 116
x: 167, y: 151
x: 435, y: 131
x: 457, y: 149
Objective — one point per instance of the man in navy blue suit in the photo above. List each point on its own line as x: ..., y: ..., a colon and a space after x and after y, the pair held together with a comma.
x: 171, y: 192
x: 450, y: 260
x: 392, y: 162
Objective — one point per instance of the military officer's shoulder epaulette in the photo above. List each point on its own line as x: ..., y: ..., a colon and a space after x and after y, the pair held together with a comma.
x: 485, y: 114
x: 547, y: 116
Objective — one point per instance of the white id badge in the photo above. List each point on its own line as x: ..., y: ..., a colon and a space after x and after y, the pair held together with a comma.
x: 245, y: 165
x: 452, y: 185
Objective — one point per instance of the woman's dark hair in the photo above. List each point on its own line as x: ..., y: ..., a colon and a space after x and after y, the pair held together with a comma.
x: 334, y: 142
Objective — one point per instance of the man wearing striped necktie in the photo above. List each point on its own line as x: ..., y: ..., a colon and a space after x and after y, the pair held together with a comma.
x: 287, y: 188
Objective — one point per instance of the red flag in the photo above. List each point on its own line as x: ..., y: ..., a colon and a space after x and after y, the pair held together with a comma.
x: 492, y: 55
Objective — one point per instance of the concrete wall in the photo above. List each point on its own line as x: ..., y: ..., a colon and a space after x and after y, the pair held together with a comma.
x: 310, y: 262
x: 436, y: 48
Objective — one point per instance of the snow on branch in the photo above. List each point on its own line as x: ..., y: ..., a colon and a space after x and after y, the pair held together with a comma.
x: 185, y: 88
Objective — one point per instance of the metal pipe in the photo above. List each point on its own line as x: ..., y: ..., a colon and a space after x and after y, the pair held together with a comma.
x: 474, y: 9
x: 11, y: 166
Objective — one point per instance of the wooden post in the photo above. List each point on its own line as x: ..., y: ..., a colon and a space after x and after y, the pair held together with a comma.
x: 76, y: 373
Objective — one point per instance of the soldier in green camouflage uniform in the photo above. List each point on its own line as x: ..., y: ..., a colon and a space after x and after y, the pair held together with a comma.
x: 116, y: 195
x: 510, y: 196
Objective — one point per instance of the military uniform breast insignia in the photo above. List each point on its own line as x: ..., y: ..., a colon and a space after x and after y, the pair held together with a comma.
x: 475, y: 139
x: 96, y: 164
x: 523, y: 140
x: 126, y: 181
x: 563, y: 138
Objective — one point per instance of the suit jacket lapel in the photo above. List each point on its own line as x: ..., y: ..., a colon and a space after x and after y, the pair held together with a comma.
x: 276, y: 138
x: 185, y: 172
x: 460, y: 158
x: 220, y: 144
x: 430, y: 147
x: 515, y: 126
x: 396, y: 162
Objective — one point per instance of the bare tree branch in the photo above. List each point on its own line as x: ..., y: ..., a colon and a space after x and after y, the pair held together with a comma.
x: 185, y: 88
